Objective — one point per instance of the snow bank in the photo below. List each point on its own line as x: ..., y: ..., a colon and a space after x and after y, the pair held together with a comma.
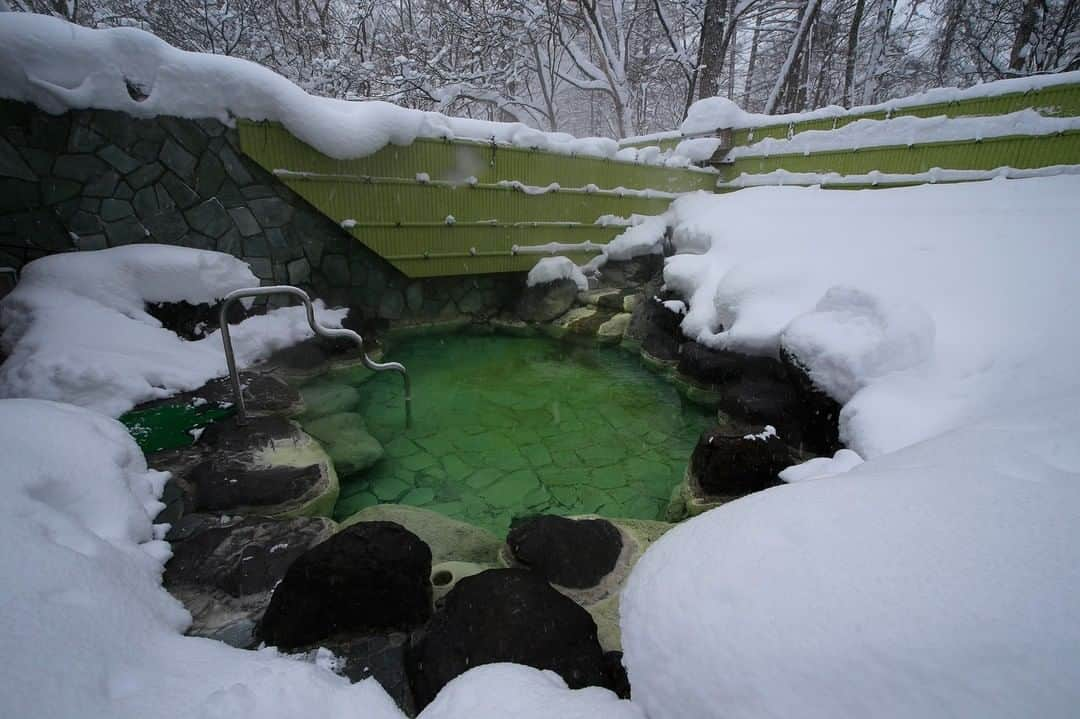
x: 75, y: 328
x: 906, y: 131
x: 59, y: 66
x: 921, y: 308
x: 876, y: 177
x: 88, y: 630
x: 551, y: 269
x: 940, y: 580
x: 496, y: 691
x: 844, y: 460
x: 712, y: 113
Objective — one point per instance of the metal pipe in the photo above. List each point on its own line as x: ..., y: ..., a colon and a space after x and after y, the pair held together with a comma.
x: 328, y: 332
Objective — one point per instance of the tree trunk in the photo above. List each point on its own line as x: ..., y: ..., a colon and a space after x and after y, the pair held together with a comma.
x: 711, y: 49
x: 877, y: 51
x: 1034, y: 11
x: 852, y: 51
x: 954, y: 12
x: 751, y: 64
x: 732, y: 50
x: 810, y: 9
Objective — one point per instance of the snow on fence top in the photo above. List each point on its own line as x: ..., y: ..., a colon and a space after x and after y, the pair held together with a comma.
x: 713, y: 113
x: 59, y: 66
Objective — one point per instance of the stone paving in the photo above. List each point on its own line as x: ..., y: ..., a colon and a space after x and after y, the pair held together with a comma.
x: 514, y: 426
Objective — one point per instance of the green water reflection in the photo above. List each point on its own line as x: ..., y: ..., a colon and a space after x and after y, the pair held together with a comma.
x: 504, y: 426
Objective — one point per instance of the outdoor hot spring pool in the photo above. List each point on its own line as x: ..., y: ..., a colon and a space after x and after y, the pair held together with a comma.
x: 508, y: 426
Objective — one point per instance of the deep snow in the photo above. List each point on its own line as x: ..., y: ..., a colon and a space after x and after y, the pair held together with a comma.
x: 88, y: 630
x: 939, y: 580
x: 920, y: 309
x: 938, y: 577
x: 76, y: 331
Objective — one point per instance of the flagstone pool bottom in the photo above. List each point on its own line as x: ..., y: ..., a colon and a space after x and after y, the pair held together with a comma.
x: 508, y: 426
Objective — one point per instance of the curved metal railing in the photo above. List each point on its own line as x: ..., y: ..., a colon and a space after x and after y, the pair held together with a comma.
x: 328, y: 332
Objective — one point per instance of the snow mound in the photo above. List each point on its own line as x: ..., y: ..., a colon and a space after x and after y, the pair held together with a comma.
x: 818, y: 467
x: 496, y: 691
x: 940, y: 580
x: 88, y: 630
x: 76, y: 330
x: 59, y: 66
x: 921, y: 308
x: 551, y: 269
x: 852, y: 337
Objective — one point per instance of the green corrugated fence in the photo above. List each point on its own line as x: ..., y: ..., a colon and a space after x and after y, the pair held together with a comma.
x: 1053, y: 101
x: 436, y: 207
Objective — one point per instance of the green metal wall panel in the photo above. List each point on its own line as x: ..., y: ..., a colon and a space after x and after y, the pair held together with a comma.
x: 273, y: 147
x: 1015, y: 151
x: 1055, y: 101
x: 389, y: 200
x: 463, y: 249
x: 403, y: 218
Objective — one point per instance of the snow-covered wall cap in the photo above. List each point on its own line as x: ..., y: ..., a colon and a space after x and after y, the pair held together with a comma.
x: 59, y: 66
x: 713, y: 113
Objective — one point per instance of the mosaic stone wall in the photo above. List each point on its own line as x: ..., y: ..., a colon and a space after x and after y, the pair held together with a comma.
x: 93, y: 179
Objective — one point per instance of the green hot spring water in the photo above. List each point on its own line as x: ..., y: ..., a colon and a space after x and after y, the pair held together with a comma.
x: 508, y: 426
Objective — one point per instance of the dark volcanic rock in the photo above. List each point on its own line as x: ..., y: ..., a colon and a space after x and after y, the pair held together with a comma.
x: 632, y: 273
x: 543, y: 303
x: 383, y: 656
x: 617, y: 680
x: 573, y: 553
x: 262, y: 393
x: 820, y: 412
x: 371, y: 577
x: 506, y: 615
x: 229, y: 436
x: 752, y: 388
x: 657, y: 328
x: 222, y: 485
x: 224, y: 571
x: 190, y: 321
x: 731, y: 466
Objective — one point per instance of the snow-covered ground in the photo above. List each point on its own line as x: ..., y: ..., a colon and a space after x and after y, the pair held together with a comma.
x: 939, y: 577
x: 88, y: 630
x: 920, y: 309
x: 76, y: 330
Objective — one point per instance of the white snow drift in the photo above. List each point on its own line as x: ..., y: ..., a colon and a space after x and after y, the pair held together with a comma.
x: 499, y: 691
x: 940, y: 580
x: 939, y: 577
x: 88, y: 629
x: 76, y: 330
x: 920, y: 309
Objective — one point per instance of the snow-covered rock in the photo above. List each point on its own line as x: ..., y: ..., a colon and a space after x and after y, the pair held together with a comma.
x: 496, y: 691
x: 88, y: 629
x: 939, y: 580
x: 920, y: 309
x: 76, y: 330
x: 552, y: 269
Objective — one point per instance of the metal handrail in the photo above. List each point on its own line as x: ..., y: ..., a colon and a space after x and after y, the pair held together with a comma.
x: 328, y: 332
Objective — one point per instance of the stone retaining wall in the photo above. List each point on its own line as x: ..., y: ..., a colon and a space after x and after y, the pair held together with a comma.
x: 92, y: 179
